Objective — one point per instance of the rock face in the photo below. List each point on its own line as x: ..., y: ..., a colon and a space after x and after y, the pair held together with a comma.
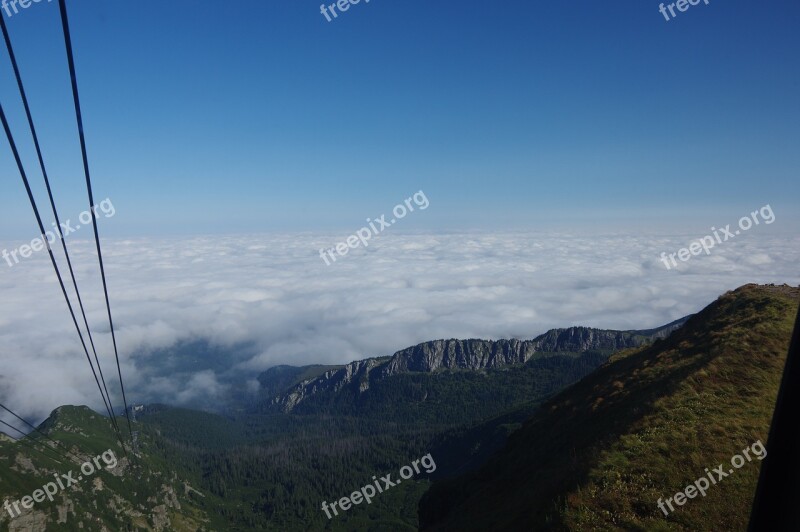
x: 475, y: 355
x: 579, y: 339
x: 334, y: 380
x: 460, y: 354
x: 483, y: 354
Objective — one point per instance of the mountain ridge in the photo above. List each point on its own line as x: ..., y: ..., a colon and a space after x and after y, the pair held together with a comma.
x: 600, y: 453
x: 453, y: 354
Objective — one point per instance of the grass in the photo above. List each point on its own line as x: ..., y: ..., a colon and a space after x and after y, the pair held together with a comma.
x: 601, y: 453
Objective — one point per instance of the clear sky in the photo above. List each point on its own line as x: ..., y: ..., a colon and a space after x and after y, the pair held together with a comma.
x: 527, y: 124
x: 205, y: 117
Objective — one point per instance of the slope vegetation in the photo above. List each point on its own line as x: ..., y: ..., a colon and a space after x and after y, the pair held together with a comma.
x: 649, y: 422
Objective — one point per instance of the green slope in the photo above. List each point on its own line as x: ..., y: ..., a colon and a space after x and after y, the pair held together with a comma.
x: 137, y: 494
x: 600, y: 454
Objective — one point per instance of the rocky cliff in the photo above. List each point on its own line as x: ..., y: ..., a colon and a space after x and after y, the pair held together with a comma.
x: 475, y: 355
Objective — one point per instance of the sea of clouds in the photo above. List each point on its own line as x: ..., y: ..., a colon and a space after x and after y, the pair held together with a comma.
x: 196, y: 317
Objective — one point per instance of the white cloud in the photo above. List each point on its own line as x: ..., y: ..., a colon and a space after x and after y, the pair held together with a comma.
x: 192, y: 313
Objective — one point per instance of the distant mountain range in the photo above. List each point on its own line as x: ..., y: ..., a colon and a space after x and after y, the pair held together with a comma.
x: 288, y: 386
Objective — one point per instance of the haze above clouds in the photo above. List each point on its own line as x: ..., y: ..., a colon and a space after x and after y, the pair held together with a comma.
x: 197, y: 316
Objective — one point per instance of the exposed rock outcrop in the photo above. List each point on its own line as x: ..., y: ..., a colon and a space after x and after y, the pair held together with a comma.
x: 475, y: 355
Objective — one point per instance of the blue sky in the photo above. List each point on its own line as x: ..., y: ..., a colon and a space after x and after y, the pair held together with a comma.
x: 528, y: 125
x: 222, y: 117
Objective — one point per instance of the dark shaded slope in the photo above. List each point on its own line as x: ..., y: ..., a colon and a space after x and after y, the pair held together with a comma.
x: 645, y: 425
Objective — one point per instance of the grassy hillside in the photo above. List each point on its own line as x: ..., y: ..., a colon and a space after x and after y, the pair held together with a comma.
x: 137, y: 494
x: 600, y: 454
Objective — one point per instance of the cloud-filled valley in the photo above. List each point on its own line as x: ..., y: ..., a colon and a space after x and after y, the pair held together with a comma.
x: 197, y: 316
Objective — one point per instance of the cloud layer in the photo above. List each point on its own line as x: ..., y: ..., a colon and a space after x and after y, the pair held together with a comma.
x: 196, y: 315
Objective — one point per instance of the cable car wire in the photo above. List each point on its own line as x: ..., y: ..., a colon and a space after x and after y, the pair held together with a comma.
x: 32, y: 200
x: 73, y: 78
x: 29, y: 116
x: 4, y: 407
